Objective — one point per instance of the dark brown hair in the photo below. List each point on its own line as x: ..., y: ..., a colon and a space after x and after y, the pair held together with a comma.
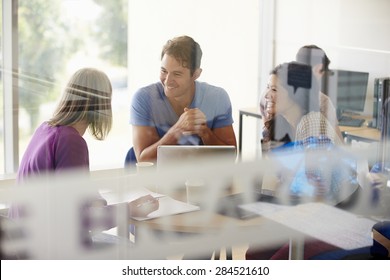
x: 185, y: 50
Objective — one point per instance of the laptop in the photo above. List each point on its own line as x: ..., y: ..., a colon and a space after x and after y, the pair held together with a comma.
x: 178, y: 154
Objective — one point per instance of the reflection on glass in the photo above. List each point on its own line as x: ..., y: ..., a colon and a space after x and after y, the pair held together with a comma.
x: 56, y: 38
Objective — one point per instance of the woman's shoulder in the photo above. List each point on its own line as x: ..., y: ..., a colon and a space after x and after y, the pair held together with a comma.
x: 64, y: 130
x: 69, y: 132
x: 46, y: 130
x: 61, y: 134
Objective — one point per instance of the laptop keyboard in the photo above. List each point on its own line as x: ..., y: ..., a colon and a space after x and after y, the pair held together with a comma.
x: 348, y: 121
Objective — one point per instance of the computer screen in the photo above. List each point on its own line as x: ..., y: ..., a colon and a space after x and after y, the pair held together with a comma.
x: 349, y: 90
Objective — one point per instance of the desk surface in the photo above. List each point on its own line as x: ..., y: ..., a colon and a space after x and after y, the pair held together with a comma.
x: 208, y: 219
x: 362, y: 133
x: 296, y: 223
x: 351, y: 128
x: 204, y: 220
x: 201, y: 221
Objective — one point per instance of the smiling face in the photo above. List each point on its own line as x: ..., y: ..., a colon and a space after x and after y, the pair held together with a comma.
x: 177, y: 79
x: 276, y: 97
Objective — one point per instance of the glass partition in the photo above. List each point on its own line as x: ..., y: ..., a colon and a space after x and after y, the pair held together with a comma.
x: 1, y: 96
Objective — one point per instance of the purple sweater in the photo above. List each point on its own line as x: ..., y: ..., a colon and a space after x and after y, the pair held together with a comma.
x: 53, y: 148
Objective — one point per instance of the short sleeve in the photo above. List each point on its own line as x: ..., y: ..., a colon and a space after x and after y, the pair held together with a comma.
x: 224, y: 118
x: 140, y: 110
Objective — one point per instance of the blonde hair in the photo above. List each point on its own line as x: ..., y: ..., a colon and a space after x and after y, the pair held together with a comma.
x: 87, y: 97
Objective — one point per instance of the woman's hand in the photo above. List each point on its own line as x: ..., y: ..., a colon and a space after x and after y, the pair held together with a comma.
x: 143, y: 206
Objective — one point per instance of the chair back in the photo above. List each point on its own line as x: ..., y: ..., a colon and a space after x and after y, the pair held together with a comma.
x: 130, y: 159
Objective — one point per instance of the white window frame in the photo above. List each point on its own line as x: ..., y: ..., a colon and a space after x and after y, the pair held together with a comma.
x: 10, y: 85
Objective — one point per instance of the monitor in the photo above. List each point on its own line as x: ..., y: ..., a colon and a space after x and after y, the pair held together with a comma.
x: 348, y: 90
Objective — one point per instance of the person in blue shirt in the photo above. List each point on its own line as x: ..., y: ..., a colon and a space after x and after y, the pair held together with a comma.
x: 179, y: 110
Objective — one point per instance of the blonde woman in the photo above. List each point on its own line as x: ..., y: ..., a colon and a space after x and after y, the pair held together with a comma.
x: 58, y: 144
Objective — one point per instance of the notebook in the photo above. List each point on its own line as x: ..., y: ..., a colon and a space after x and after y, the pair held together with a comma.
x: 179, y: 154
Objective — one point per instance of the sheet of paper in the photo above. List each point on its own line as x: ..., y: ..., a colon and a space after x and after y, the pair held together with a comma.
x: 263, y: 208
x: 118, y: 197
x: 321, y: 221
x: 169, y: 206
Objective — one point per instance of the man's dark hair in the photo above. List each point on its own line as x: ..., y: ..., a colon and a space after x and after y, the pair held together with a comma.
x: 313, y: 55
x: 186, y: 50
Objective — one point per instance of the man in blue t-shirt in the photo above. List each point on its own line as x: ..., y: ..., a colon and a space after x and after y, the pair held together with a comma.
x: 179, y: 110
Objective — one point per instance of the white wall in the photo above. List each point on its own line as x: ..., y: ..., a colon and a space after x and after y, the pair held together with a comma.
x: 354, y: 34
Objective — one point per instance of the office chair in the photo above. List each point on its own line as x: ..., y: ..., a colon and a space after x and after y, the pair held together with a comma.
x: 130, y: 162
x: 130, y: 159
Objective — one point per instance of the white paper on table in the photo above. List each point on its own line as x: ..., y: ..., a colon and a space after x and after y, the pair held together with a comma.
x: 324, y: 222
x: 169, y: 206
x: 120, y: 197
x: 263, y: 208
